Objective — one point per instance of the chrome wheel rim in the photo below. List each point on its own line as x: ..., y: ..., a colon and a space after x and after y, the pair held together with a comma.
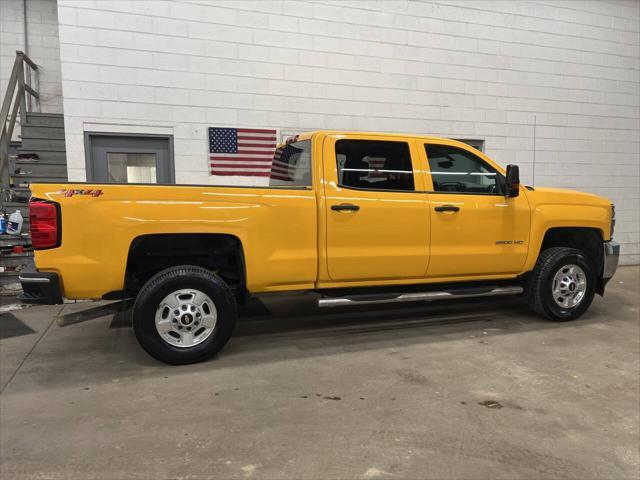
x: 569, y: 286
x: 186, y: 318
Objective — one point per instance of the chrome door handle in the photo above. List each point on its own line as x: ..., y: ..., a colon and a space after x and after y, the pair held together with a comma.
x: 447, y: 208
x: 349, y: 207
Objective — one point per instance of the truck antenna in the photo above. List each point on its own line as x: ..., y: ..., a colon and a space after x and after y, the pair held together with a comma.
x: 535, y: 124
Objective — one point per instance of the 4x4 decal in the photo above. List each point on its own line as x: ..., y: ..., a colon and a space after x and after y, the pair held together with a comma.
x: 71, y: 193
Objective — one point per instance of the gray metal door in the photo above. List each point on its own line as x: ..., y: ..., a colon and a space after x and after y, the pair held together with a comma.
x: 129, y: 159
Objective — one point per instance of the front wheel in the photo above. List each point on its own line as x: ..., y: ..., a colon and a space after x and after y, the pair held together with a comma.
x: 184, y: 314
x: 562, y: 284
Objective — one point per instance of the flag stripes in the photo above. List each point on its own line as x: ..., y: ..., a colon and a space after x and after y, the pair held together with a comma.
x: 241, y: 151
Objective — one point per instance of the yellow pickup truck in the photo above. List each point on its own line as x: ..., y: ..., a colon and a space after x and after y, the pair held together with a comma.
x: 359, y: 218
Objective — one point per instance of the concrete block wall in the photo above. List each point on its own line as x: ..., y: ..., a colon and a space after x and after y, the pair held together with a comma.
x: 43, y: 46
x: 476, y: 69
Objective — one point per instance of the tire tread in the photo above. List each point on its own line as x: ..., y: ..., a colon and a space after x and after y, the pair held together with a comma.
x: 547, y: 260
x: 185, y: 271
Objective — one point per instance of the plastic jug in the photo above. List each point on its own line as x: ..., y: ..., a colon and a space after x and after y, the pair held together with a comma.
x: 15, y: 223
x: 3, y: 222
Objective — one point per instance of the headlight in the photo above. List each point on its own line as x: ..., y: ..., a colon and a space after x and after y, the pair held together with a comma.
x: 613, y: 218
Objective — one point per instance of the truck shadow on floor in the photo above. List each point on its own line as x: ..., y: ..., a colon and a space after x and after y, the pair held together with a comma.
x: 359, y: 328
x: 276, y: 332
x: 257, y: 320
x: 302, y: 329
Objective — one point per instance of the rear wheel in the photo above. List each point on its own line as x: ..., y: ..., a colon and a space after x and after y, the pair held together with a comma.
x: 184, y: 315
x: 562, y: 284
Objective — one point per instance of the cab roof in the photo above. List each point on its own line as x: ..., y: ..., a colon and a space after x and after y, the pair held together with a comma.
x: 417, y: 136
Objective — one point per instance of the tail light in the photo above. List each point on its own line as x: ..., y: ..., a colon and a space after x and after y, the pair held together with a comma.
x: 45, y: 224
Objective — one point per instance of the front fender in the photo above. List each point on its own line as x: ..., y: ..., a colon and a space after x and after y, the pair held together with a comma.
x: 564, y: 209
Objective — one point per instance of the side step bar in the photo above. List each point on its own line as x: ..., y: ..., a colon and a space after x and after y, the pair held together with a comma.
x: 418, y: 296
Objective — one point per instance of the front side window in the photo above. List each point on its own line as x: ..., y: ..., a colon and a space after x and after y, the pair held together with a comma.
x: 374, y: 165
x: 456, y: 170
x: 292, y: 165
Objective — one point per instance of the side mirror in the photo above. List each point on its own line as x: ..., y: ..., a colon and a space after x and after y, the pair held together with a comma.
x: 512, y: 187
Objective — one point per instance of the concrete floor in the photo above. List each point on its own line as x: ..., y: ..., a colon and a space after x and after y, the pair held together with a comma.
x: 474, y: 390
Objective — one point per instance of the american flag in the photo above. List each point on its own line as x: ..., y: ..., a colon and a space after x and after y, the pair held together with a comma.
x: 241, y: 151
x: 282, y: 162
x: 376, y: 164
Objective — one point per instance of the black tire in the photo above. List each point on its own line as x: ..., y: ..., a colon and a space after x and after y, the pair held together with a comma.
x: 540, y: 289
x: 171, y: 280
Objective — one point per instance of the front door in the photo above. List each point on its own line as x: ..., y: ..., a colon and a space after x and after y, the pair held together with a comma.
x: 377, y: 218
x: 475, y: 229
x: 130, y: 159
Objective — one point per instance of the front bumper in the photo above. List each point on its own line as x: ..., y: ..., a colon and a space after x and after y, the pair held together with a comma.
x: 611, y: 257
x: 40, y: 288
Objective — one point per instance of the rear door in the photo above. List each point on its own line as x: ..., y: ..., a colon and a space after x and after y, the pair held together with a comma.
x: 377, y: 218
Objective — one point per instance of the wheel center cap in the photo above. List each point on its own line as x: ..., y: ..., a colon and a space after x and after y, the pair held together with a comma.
x: 186, y: 319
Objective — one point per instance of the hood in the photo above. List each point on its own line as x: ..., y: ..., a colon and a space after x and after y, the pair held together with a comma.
x: 567, y: 197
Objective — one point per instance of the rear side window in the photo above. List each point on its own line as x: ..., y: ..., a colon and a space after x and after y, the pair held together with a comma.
x: 292, y: 165
x: 374, y: 165
x: 456, y: 170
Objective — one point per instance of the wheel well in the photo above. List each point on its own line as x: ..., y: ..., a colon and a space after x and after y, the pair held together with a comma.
x: 587, y: 240
x: 220, y: 253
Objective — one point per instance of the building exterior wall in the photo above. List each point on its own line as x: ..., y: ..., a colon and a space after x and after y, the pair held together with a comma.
x: 42, y: 46
x: 480, y: 70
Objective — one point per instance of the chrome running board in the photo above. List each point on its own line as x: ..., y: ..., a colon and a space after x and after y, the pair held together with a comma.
x: 366, y: 299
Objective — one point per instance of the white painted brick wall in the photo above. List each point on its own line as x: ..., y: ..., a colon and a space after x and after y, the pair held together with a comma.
x: 467, y: 69
x: 42, y: 28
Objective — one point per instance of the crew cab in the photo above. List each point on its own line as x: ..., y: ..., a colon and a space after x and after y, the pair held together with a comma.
x: 360, y: 218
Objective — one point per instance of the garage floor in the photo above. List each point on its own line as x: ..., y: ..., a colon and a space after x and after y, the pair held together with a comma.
x: 479, y: 390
